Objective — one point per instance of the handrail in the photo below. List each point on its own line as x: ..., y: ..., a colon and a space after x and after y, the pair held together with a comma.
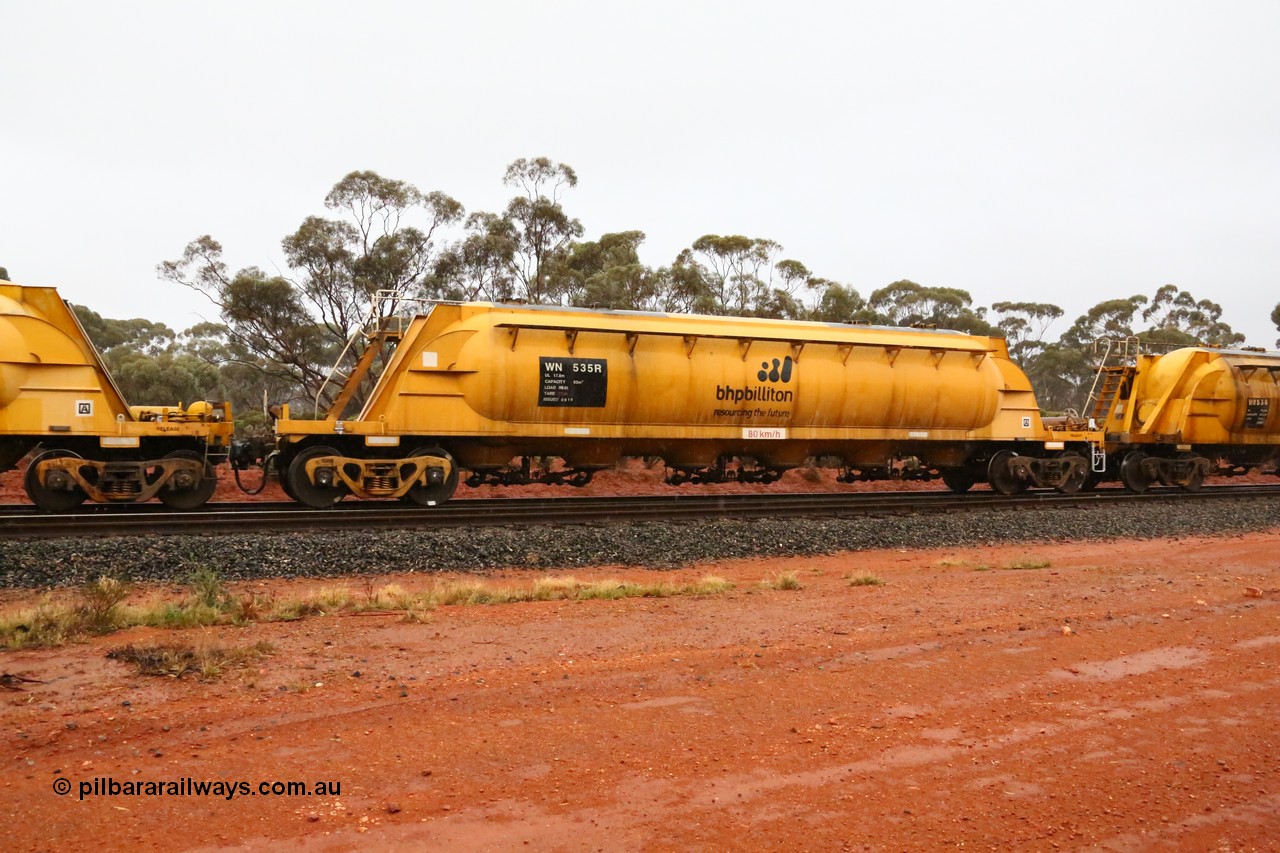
x: 370, y: 327
x: 1091, y: 400
x: 1125, y: 350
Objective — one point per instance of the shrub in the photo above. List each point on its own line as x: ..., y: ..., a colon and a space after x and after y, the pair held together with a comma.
x: 207, y: 588
x: 176, y: 659
x: 783, y: 580
x: 99, y: 602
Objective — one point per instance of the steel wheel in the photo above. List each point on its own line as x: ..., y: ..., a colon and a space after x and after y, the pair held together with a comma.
x: 1001, y: 477
x: 306, y: 492
x: 438, y: 493
x: 1135, y: 479
x: 282, y: 474
x: 959, y: 480
x: 50, y: 499
x: 198, y: 494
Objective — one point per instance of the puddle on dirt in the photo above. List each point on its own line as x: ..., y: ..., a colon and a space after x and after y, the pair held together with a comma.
x: 660, y: 702
x: 1163, y: 703
x: 943, y: 735
x: 1257, y: 643
x: 894, y: 651
x: 1176, y: 657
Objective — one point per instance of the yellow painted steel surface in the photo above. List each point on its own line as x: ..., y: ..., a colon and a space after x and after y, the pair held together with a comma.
x: 481, y: 369
x: 50, y: 376
x: 1203, y: 396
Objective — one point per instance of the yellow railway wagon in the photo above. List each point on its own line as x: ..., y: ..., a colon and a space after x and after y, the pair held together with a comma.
x: 494, y: 388
x: 1170, y: 417
x: 57, y: 399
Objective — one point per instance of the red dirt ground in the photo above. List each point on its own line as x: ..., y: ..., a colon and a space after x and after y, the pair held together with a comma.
x: 1121, y: 697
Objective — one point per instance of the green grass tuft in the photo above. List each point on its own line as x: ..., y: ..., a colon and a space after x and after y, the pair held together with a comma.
x: 100, y: 609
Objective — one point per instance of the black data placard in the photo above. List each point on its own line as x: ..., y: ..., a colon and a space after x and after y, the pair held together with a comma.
x: 1256, y: 411
x: 580, y: 382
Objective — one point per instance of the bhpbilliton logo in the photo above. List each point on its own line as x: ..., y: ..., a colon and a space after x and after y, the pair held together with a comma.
x: 779, y: 372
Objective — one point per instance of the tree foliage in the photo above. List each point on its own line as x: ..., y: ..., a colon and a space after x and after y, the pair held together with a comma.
x: 1024, y: 325
x: 1175, y: 317
x: 905, y: 303
x: 541, y: 229
x: 837, y: 303
x: 480, y: 265
x: 293, y: 328
x: 731, y: 273
x: 608, y: 273
x: 148, y: 362
x: 520, y: 253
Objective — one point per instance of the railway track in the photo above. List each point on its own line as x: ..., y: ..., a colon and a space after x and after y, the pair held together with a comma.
x: 18, y: 521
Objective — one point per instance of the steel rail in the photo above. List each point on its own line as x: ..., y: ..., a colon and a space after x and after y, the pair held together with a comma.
x: 144, y: 520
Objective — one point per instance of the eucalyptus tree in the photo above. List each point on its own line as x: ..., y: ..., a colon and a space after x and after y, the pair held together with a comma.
x: 726, y: 274
x: 608, y: 273
x: 148, y: 362
x: 1174, y: 316
x: 539, y: 225
x: 1064, y: 371
x: 837, y: 303
x: 1024, y: 325
x: 906, y: 303
x: 297, y: 326
x: 793, y: 292
x: 480, y: 265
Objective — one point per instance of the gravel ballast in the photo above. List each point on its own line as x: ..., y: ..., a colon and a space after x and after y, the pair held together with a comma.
x: 72, y: 561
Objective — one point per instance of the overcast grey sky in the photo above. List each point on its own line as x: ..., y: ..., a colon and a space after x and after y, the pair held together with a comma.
x: 1058, y: 152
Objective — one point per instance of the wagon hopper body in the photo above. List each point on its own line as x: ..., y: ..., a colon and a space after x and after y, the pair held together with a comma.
x: 1169, y: 418
x: 57, y: 399
x: 478, y: 385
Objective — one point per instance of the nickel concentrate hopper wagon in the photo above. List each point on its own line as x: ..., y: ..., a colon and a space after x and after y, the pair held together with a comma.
x: 1172, y: 418
x: 495, y: 389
